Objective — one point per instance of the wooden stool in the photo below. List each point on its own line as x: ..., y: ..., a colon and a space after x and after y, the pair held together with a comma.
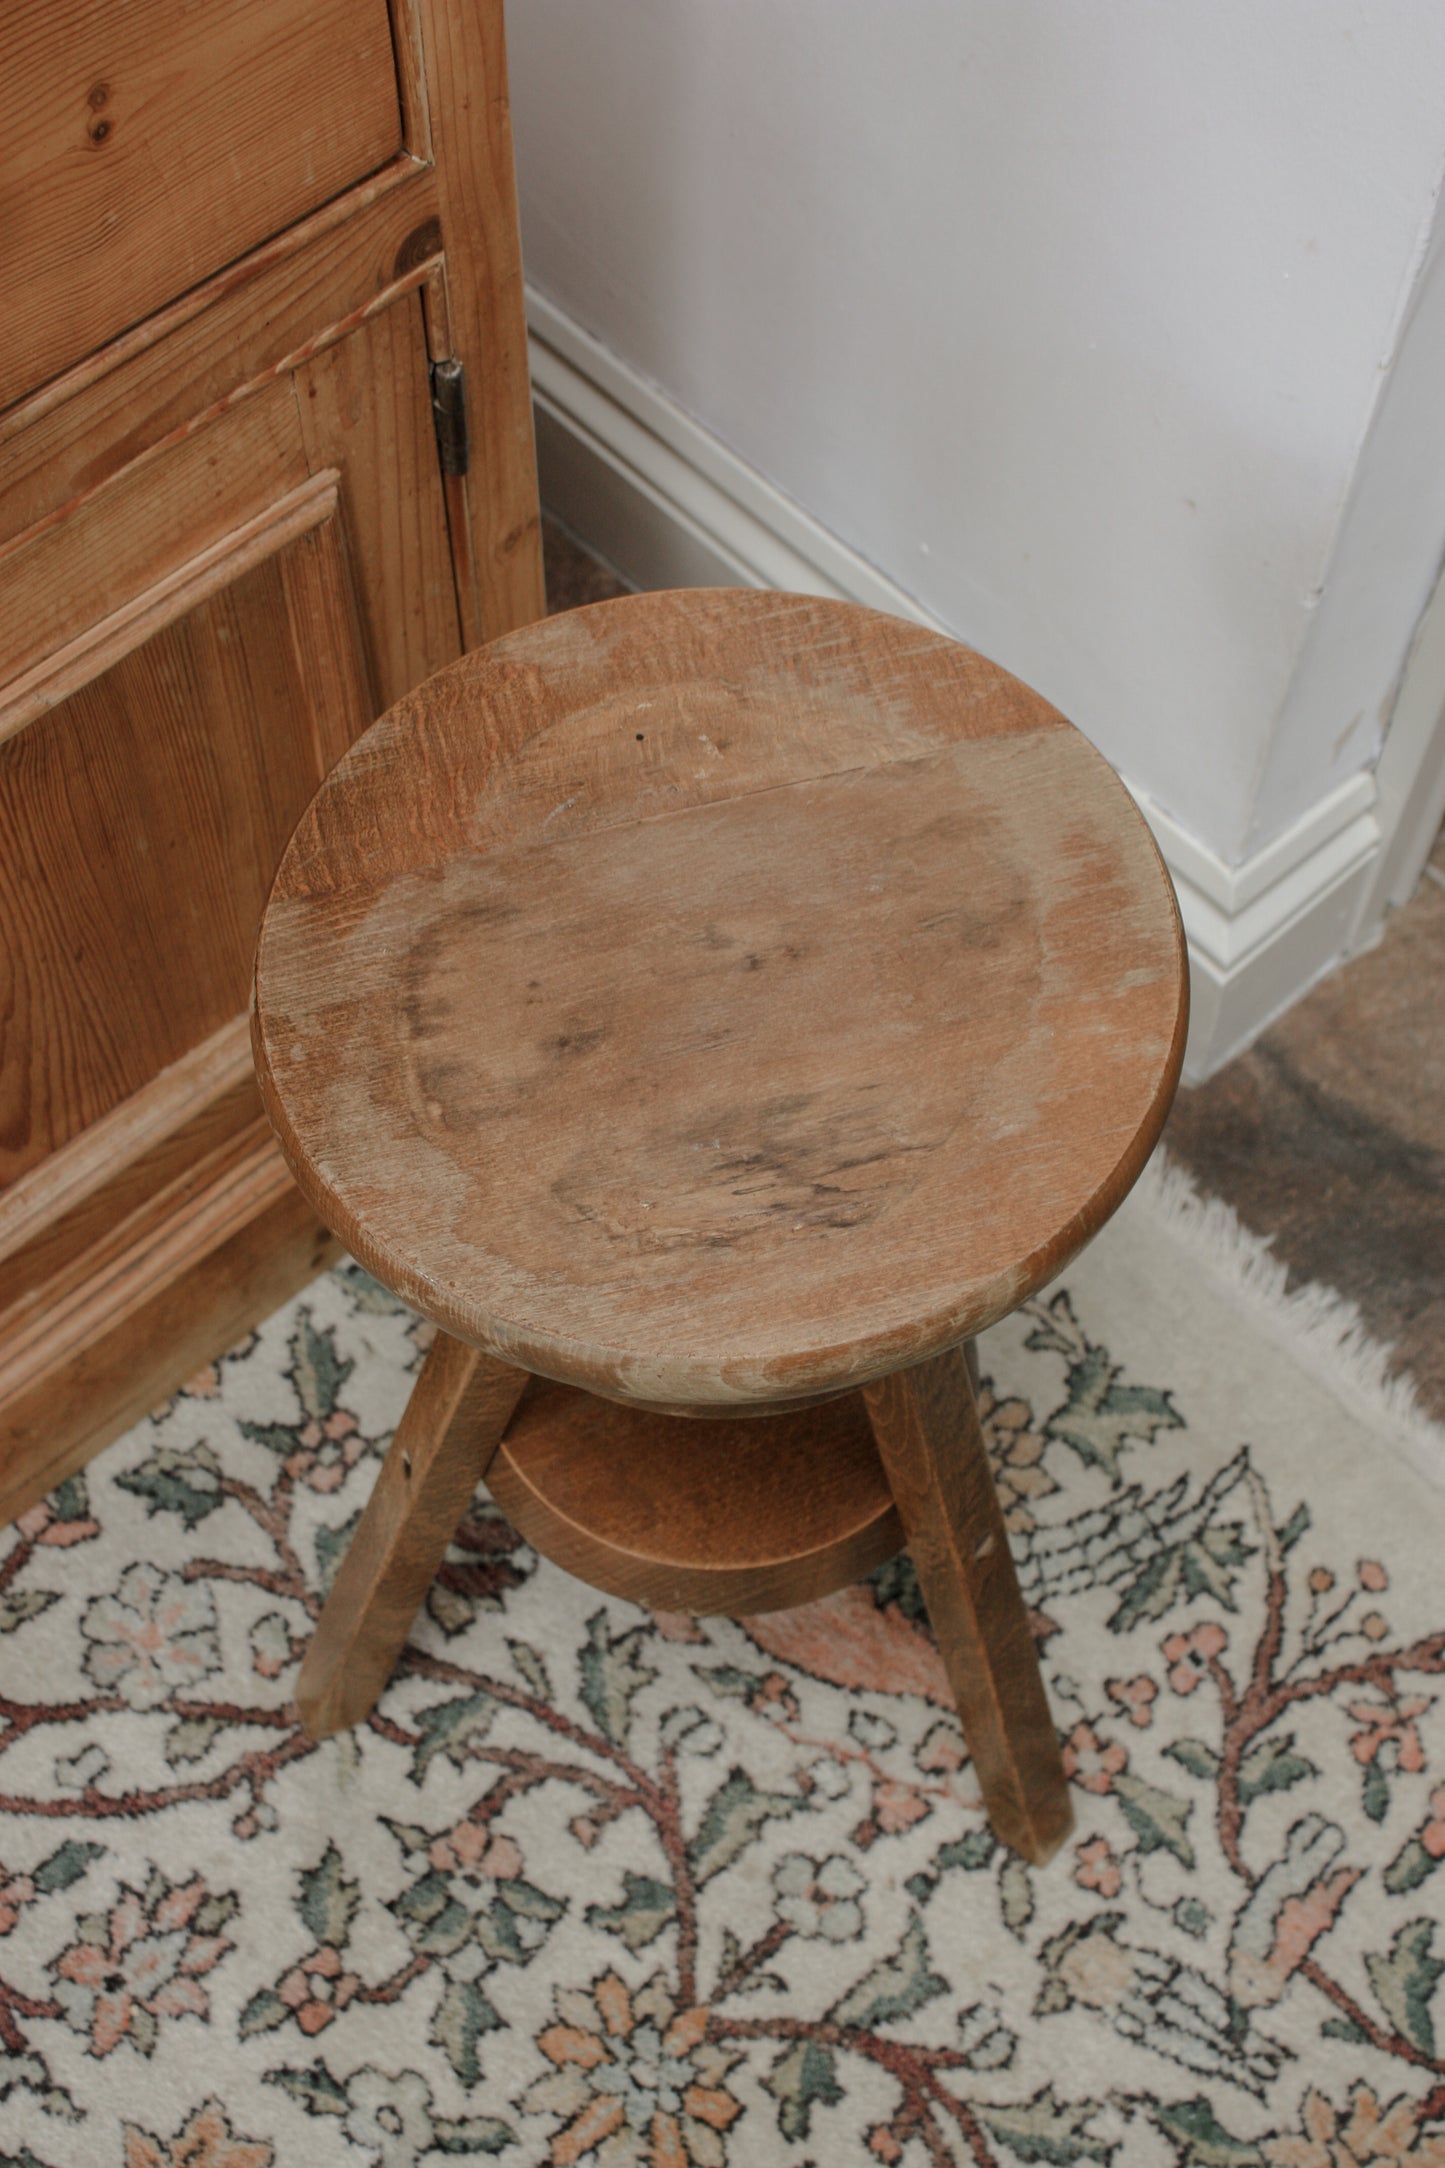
x: 725, y: 1004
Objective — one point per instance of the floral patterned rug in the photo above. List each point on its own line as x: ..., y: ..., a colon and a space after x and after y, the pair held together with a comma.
x: 597, y: 1886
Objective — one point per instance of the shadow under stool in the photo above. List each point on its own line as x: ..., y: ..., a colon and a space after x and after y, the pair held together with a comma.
x: 712, y: 1009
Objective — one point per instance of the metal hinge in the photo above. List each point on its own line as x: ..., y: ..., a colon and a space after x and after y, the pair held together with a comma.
x: 449, y: 412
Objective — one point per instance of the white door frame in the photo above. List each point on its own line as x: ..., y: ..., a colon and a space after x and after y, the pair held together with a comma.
x: 1410, y: 774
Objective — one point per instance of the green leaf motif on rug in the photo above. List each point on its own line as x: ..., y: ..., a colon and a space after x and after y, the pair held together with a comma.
x: 730, y: 1963
x: 1015, y: 1893
x: 1299, y: 1524
x: 729, y: 1681
x: 278, y: 1438
x: 1405, y: 1982
x: 18, y: 1605
x: 479, y: 2134
x: 1157, y: 1818
x: 263, y: 2013
x: 1099, y: 1416
x: 805, y: 2075
x: 1204, y: 1565
x: 1202, y: 2139
x: 1409, y: 1867
x: 1047, y: 2130
x: 65, y: 1866
x: 185, y: 1482
x: 314, y: 2089
x: 190, y: 1738
x: 968, y: 1854
x: 462, y: 2016
x: 895, y: 1988
x: 731, y: 1820
x: 451, y: 1728
x: 328, y: 1902
x: 612, y: 1673
x: 532, y: 1668
x: 647, y: 1906
x: 1375, y: 1791
x: 409, y: 1835
x: 332, y: 1545
x: 515, y: 1925
x: 70, y: 1502
x: 1272, y: 1765
x: 1192, y: 1754
x: 317, y: 1371
x: 431, y: 1919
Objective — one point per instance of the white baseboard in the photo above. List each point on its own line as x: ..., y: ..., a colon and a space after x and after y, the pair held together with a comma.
x: 1261, y: 933
x: 668, y: 505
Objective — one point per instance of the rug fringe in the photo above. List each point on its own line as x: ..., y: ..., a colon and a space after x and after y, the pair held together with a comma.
x: 1321, y: 1326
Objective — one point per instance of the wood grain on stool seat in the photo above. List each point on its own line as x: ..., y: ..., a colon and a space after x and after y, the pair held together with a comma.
x: 717, y: 997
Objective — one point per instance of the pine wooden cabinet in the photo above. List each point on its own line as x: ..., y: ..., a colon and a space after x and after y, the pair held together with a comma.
x: 250, y: 249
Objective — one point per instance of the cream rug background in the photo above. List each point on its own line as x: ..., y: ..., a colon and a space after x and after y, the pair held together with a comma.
x: 597, y: 1886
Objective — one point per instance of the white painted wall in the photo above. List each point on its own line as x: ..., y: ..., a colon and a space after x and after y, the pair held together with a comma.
x: 1069, y: 315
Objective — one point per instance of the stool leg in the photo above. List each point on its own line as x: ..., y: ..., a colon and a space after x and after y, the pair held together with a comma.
x: 451, y: 1427
x: 926, y: 1423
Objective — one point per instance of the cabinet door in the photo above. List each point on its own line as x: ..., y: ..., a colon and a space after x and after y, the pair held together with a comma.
x: 226, y: 543
x: 239, y: 604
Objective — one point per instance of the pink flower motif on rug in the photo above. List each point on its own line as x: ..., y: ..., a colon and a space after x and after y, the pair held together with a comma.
x: 141, y: 1962
x: 636, y: 2080
x: 1190, y: 1655
x: 1136, y: 1698
x: 1361, y: 2134
x: 207, y: 2141
x: 155, y: 1634
x: 1091, y: 1761
x: 317, y: 1990
x: 1390, y: 1724
x: 1096, y: 1867
x: 325, y: 1450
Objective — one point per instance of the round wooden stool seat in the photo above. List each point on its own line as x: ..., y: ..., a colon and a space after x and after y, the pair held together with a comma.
x: 716, y: 999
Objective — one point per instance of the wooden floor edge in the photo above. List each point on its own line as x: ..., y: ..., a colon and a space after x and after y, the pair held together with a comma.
x: 124, y: 1342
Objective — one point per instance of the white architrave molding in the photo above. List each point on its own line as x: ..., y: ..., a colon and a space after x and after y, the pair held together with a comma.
x: 653, y: 492
x: 1262, y: 932
x: 1411, y: 771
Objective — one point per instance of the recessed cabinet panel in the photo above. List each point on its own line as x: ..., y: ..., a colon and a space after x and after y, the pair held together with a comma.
x: 153, y: 766
x: 140, y: 823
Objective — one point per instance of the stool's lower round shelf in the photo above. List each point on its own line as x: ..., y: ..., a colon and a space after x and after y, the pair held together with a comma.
x: 752, y: 1514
